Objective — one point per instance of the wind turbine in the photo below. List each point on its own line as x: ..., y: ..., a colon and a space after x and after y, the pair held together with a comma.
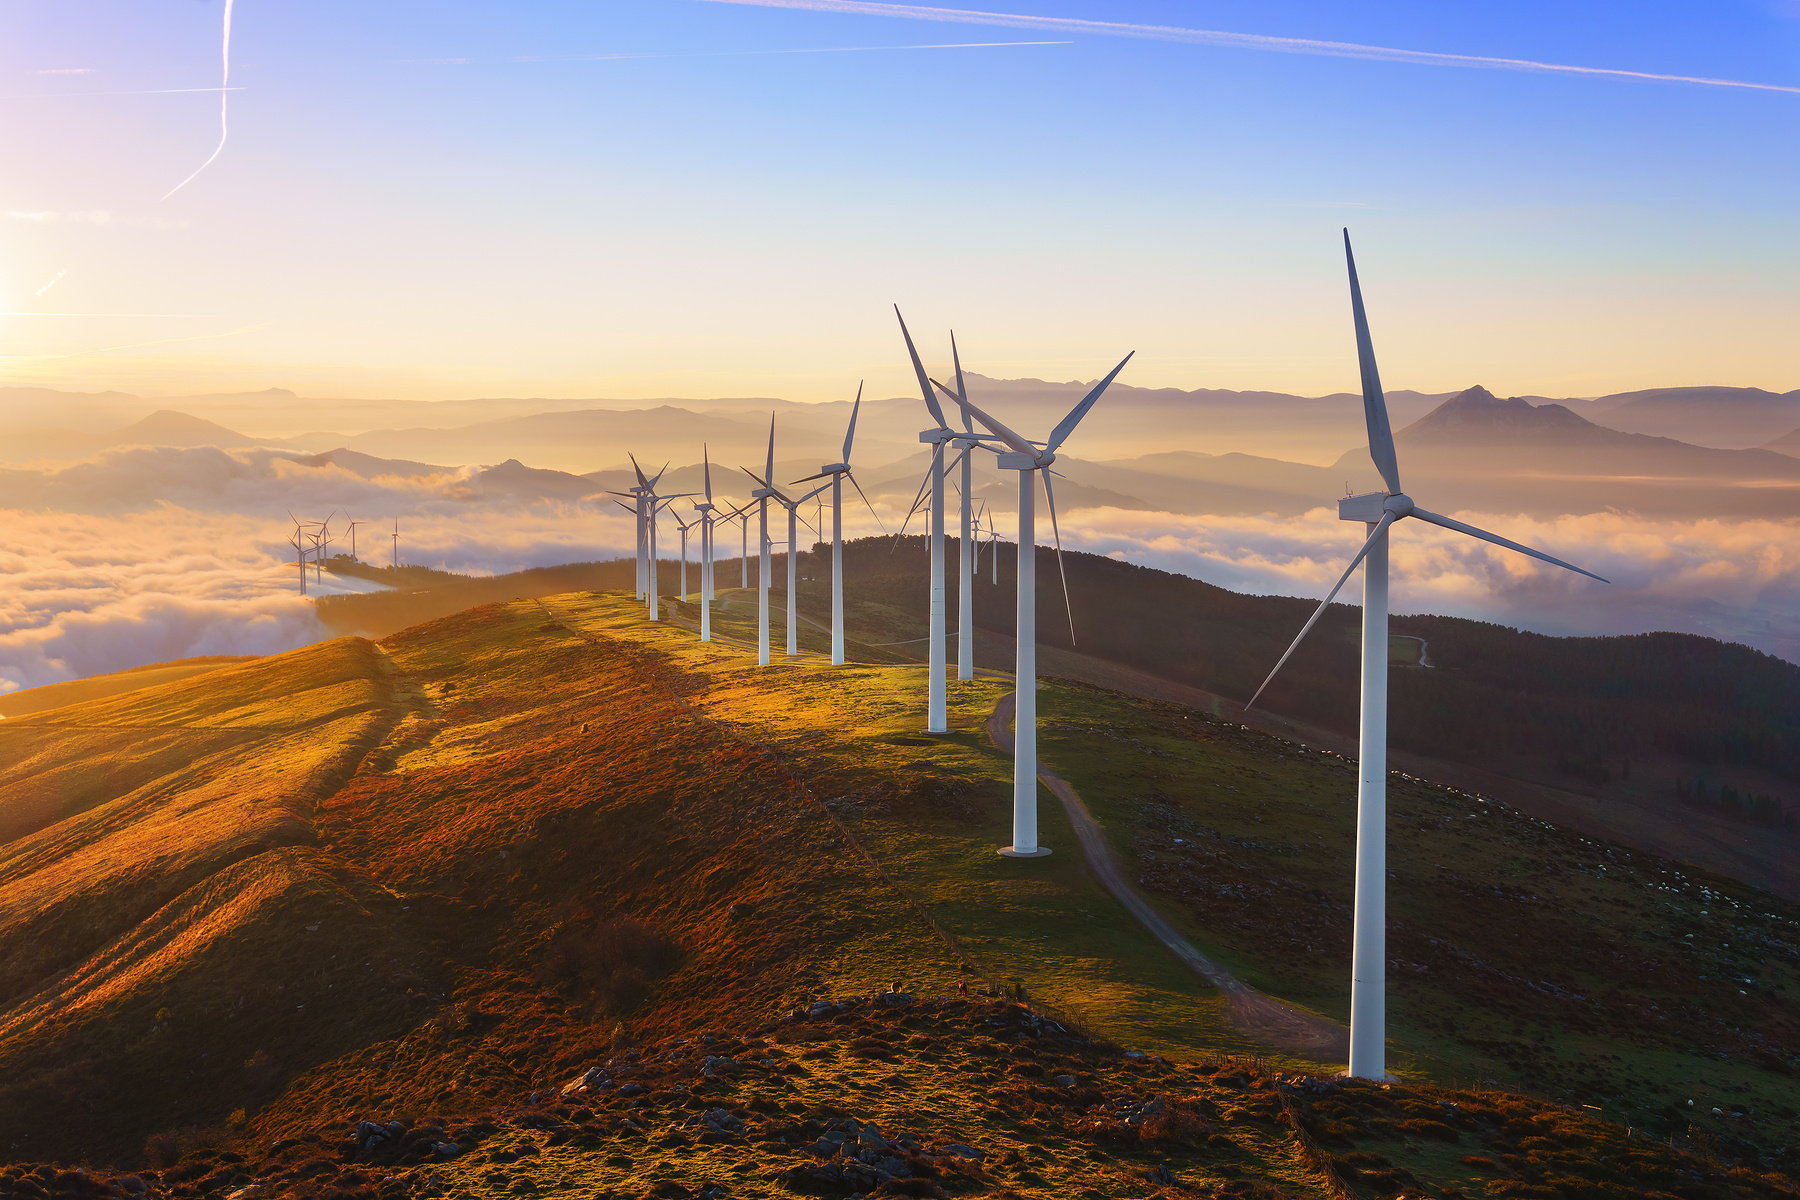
x: 353, y: 526
x: 792, y: 505
x: 649, y: 503
x: 761, y: 497
x: 319, y: 534
x: 1029, y: 460
x: 1379, y: 512
x: 838, y: 472
x: 298, y: 543
x: 396, y: 543
x: 685, y: 526
x: 636, y: 496
x: 705, y: 509
x: 936, y: 707
x: 965, y: 595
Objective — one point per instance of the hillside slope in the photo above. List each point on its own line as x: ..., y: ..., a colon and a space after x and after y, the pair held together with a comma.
x: 420, y: 881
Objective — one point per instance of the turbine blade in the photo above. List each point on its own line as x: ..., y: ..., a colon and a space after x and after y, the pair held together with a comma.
x: 652, y: 484
x: 931, y: 404
x: 962, y: 390
x: 1446, y: 523
x: 626, y: 507
x: 850, y: 434
x: 882, y: 525
x: 1381, y: 528
x: 1068, y: 423
x: 769, y: 471
x: 810, y: 478
x: 1050, y: 503
x: 640, y: 471
x: 706, y: 457
x: 1013, y: 440
x: 919, y: 499
x: 1375, y: 414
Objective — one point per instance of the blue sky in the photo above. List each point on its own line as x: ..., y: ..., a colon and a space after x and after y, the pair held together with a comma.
x: 406, y: 207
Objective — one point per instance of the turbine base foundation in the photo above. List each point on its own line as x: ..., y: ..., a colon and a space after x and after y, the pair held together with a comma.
x: 1010, y: 852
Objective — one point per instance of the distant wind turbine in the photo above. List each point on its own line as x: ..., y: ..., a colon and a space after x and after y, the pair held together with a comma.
x: 1379, y: 511
x: 761, y: 497
x: 1030, y: 461
x: 705, y: 509
x: 685, y: 526
x: 298, y: 541
x: 837, y: 472
x: 792, y: 504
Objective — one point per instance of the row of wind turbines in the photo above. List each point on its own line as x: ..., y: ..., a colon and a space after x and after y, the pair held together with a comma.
x: 312, y: 540
x: 1378, y: 511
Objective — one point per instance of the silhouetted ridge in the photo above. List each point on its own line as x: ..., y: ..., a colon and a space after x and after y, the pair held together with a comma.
x: 167, y: 427
x: 1479, y: 411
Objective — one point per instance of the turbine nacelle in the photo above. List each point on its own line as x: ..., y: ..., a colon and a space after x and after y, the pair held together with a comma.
x: 935, y: 437
x: 1009, y: 460
x: 1370, y: 507
x: 838, y: 468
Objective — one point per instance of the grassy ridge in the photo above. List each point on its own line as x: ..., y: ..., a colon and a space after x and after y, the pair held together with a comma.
x: 535, y: 837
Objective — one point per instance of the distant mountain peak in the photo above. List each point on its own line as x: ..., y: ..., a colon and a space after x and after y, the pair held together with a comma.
x: 169, y: 427
x: 1478, y: 410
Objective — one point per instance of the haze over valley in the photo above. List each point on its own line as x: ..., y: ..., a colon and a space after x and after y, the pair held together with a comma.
x: 143, y: 533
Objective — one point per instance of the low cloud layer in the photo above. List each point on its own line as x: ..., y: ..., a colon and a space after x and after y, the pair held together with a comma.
x: 1734, y: 580
x: 148, y: 554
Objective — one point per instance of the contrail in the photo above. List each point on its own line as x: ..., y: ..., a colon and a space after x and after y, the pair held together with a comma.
x: 558, y: 58
x: 819, y: 50
x: 54, y: 280
x: 1244, y: 41
x: 225, y: 90
x: 134, y: 92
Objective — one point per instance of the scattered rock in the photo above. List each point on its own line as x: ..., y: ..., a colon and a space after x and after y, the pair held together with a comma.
x: 594, y: 1079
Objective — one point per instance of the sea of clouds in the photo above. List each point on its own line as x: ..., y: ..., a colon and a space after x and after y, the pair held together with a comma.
x: 144, y: 555
x: 151, y: 554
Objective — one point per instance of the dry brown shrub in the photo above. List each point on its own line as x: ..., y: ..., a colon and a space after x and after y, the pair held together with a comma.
x: 613, y: 963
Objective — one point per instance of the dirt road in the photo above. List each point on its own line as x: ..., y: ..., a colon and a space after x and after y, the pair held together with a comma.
x: 1253, y: 1014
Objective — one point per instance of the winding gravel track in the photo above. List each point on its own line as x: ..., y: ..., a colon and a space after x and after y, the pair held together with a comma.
x: 1253, y: 1014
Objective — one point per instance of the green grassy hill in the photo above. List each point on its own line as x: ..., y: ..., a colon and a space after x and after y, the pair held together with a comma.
x: 434, y: 880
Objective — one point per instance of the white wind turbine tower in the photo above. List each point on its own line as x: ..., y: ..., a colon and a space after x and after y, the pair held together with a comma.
x: 965, y: 593
x: 1030, y: 461
x: 741, y: 514
x: 637, y: 495
x: 761, y: 497
x: 793, y: 560
x: 705, y: 509
x: 298, y: 542
x: 838, y: 472
x: 1379, y: 511
x: 320, y: 536
x: 396, y: 543
x: 937, y: 718
x: 649, y: 503
x: 353, y: 526
x: 685, y: 526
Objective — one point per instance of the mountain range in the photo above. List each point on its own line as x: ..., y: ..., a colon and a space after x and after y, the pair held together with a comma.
x: 1471, y: 451
x: 552, y: 432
